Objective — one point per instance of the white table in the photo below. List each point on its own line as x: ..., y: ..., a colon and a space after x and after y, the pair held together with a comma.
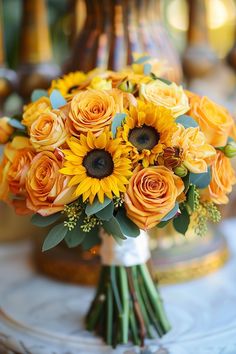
x: 41, y: 316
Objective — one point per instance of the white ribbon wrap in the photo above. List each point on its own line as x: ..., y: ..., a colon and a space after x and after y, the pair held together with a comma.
x: 131, y: 252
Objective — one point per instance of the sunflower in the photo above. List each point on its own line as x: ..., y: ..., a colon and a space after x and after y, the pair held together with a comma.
x: 97, y: 166
x: 146, y: 131
x: 70, y: 83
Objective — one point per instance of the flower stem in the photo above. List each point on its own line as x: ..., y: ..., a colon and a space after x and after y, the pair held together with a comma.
x: 154, y: 298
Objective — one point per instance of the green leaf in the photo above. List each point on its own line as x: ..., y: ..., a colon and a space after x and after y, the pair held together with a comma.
x: 16, y: 124
x: 107, y: 212
x: 201, y: 180
x: 36, y: 94
x: 55, y: 236
x: 92, y: 239
x: 186, y: 121
x: 172, y: 213
x: 147, y: 68
x: 167, y: 82
x: 112, y: 227
x: 43, y: 221
x: 190, y: 197
x: 76, y: 236
x: 142, y: 60
x: 181, y: 222
x: 128, y: 227
x: 57, y: 100
x: 117, y: 122
x: 94, y: 208
x: 186, y: 182
x: 162, y: 224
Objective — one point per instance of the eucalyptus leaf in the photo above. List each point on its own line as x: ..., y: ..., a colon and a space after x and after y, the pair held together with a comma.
x: 36, y: 94
x: 94, y: 208
x: 172, y: 213
x: 186, y: 121
x: 55, y: 236
x: 75, y: 237
x: 107, y: 212
x: 128, y: 227
x: 201, y: 180
x: 112, y: 227
x: 43, y: 221
x: 57, y: 100
x: 142, y: 60
x: 181, y: 222
x: 190, y: 197
x: 162, y: 224
x: 117, y: 122
x: 167, y: 82
x: 147, y: 68
x: 92, y: 239
x: 16, y: 124
x: 186, y: 182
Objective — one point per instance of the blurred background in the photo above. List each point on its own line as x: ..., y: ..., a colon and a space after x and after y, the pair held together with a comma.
x: 49, y: 37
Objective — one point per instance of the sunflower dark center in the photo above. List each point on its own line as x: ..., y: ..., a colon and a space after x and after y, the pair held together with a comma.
x: 144, y: 137
x: 98, y: 164
x: 72, y: 88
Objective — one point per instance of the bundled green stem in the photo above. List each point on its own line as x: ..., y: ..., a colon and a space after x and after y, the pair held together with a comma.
x: 127, y: 306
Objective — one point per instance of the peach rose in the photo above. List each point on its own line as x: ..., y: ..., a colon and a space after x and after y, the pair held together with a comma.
x: 195, y: 153
x: 33, y: 110
x: 18, y: 170
x: 151, y: 194
x: 10, y: 152
x: 170, y: 96
x: 93, y: 110
x: 5, y: 130
x: 223, y: 178
x: 214, y: 120
x: 47, y: 188
x: 48, y: 132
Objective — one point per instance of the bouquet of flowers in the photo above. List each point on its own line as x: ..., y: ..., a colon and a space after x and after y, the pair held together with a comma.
x: 102, y: 158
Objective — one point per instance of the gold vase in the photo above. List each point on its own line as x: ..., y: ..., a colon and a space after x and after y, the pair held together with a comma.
x: 177, y: 258
x: 15, y: 227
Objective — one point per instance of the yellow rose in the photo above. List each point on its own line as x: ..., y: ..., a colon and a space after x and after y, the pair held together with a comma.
x: 194, y: 152
x: 151, y: 194
x: 9, y: 154
x: 214, y: 120
x: 5, y: 130
x: 93, y: 110
x: 47, y: 188
x: 223, y: 178
x: 98, y: 83
x: 48, y: 132
x: 170, y: 96
x: 33, y: 110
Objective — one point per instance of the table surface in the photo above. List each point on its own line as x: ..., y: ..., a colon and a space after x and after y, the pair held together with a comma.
x: 42, y: 316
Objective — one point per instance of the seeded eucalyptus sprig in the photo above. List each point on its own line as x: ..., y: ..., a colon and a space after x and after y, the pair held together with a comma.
x: 72, y: 213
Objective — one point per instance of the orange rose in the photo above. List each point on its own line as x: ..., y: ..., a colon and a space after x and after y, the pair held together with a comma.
x: 48, y: 132
x: 5, y: 130
x: 10, y: 152
x: 223, y: 177
x: 93, y: 110
x: 214, y: 120
x: 18, y: 170
x: 47, y: 188
x: 151, y: 194
x: 33, y: 110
